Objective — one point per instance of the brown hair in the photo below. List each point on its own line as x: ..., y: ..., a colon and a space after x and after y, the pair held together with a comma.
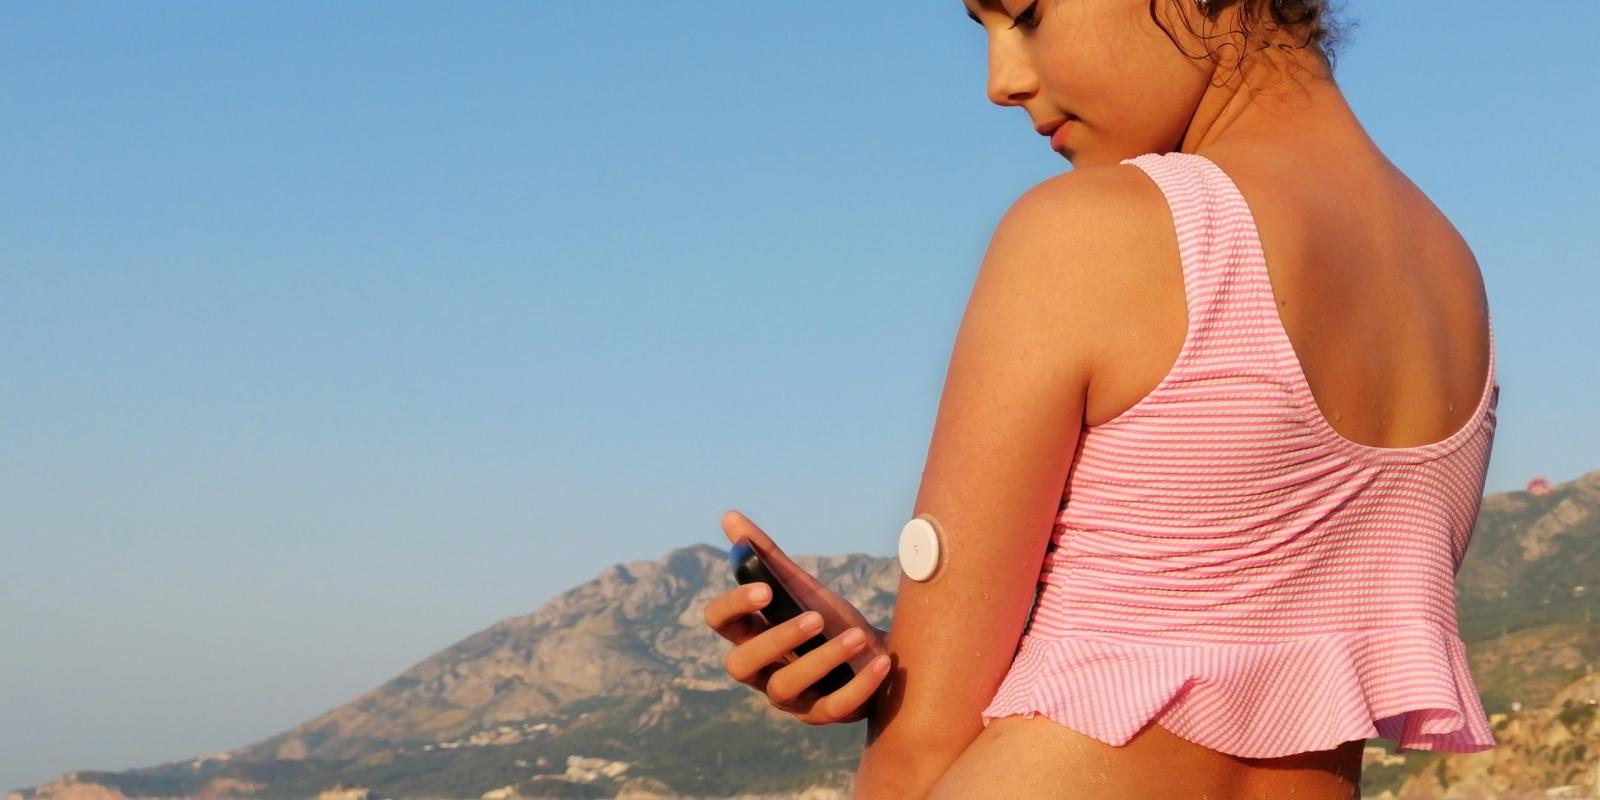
x: 1313, y: 23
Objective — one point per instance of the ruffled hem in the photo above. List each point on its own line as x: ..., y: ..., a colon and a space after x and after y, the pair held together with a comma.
x: 1410, y: 684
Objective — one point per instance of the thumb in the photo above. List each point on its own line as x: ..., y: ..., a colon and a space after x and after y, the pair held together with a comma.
x: 737, y: 526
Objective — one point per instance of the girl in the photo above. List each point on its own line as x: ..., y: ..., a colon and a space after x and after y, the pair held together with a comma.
x: 1224, y: 394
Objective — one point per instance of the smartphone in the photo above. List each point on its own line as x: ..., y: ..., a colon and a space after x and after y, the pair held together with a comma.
x: 748, y: 567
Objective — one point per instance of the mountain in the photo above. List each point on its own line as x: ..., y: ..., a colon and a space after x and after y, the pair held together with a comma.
x: 616, y: 688
x: 617, y: 684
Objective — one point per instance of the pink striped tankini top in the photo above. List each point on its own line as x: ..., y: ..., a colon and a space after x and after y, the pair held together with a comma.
x: 1226, y: 564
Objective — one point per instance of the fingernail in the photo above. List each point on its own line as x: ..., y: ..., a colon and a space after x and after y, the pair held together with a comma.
x: 810, y: 621
x: 760, y: 594
x: 852, y: 637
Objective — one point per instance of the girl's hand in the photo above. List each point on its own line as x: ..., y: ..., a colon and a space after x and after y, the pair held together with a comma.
x: 761, y: 657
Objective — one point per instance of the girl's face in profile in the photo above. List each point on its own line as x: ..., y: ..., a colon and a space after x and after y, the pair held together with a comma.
x: 1103, y: 65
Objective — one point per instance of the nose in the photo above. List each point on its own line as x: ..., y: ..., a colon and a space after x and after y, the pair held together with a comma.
x: 1012, y: 79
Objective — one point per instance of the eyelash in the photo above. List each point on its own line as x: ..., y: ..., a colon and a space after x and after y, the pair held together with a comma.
x: 1026, y: 18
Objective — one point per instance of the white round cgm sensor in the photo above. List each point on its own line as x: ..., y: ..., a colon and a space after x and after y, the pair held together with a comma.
x: 919, y: 549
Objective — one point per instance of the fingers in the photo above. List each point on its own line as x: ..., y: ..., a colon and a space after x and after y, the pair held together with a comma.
x: 746, y: 661
x: 847, y: 703
x: 763, y: 656
x: 786, y: 685
x: 732, y: 613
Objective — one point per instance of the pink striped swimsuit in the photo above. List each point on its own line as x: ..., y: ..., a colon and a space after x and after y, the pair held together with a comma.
x: 1227, y: 564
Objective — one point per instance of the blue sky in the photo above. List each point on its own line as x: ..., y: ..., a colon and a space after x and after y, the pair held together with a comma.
x: 331, y: 334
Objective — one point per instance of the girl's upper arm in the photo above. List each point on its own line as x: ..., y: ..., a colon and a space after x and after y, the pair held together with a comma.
x: 1006, y: 431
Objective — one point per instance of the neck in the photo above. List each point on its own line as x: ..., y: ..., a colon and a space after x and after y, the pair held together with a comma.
x: 1278, y: 93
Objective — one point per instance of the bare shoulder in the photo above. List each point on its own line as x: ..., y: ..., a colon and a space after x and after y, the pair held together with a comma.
x: 1090, y: 205
x: 1097, y: 245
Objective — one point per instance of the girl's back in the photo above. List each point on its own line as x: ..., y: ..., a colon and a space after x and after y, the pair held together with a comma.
x: 1381, y: 298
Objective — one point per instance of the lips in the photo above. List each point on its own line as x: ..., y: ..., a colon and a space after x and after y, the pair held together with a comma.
x: 1058, y: 137
x: 1056, y: 131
